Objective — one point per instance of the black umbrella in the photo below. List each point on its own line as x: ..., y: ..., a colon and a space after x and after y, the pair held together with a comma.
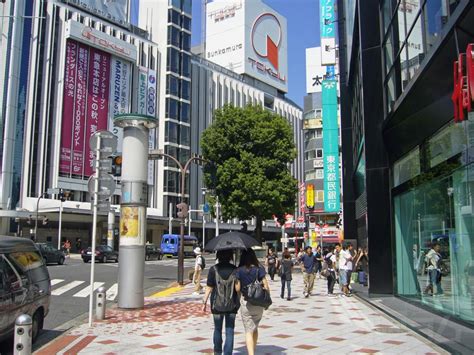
x: 231, y: 240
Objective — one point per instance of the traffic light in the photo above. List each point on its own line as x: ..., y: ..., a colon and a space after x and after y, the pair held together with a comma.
x: 117, y: 165
x: 182, y: 210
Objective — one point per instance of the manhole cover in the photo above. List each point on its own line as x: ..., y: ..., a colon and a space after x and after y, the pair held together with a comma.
x: 285, y: 310
x: 389, y: 330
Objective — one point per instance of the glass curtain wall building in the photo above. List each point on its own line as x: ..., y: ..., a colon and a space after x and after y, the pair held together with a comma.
x: 428, y: 153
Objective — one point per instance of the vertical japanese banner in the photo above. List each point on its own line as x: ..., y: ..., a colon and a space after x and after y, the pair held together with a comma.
x: 330, y: 147
x: 80, y: 111
x: 302, y: 198
x: 151, y: 111
x: 327, y: 15
x: 97, y: 100
x: 120, y: 72
x: 69, y: 94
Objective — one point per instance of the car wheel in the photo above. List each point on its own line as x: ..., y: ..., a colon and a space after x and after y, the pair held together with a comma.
x: 160, y: 257
x: 147, y: 257
x: 37, y: 324
x: 116, y: 259
x: 61, y: 260
x: 85, y: 260
x: 104, y: 259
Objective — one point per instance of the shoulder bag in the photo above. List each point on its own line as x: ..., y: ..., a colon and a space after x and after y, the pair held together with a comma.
x: 257, y: 295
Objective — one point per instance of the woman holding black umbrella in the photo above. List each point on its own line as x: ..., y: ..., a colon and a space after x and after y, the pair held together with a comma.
x: 248, y: 271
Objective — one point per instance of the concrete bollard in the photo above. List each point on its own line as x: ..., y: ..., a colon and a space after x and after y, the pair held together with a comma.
x: 100, y: 304
x: 22, y: 343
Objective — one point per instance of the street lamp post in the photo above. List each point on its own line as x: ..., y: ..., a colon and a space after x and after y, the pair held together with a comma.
x: 321, y: 232
x: 36, y: 219
x: 204, y: 190
x: 157, y: 154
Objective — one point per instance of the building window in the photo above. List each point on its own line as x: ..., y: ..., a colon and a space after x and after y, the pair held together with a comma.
x: 172, y: 108
x: 184, y: 135
x: 184, y: 155
x: 174, y: 36
x: 171, y: 132
x: 319, y: 132
x: 319, y: 153
x: 186, y: 23
x: 171, y: 182
x: 319, y: 196
x: 172, y: 86
x: 187, y: 7
x: 185, y: 90
x: 175, y: 3
x: 174, y: 17
x: 185, y: 112
x: 310, y: 154
x: 310, y: 175
x: 185, y: 41
x: 173, y: 60
x: 186, y: 65
x: 319, y: 173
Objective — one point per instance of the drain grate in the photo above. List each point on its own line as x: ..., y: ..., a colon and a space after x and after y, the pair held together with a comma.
x: 389, y: 330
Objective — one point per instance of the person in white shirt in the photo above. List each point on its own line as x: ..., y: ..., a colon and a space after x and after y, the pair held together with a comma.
x: 198, y: 266
x: 433, y: 259
x: 345, y: 264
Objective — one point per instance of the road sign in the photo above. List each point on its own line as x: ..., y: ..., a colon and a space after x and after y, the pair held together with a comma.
x: 107, y: 186
x: 205, y: 208
x: 105, y: 164
x: 284, y: 240
x: 108, y: 142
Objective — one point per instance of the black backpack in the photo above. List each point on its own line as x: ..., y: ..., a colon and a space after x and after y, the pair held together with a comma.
x: 225, y: 298
x: 203, y: 262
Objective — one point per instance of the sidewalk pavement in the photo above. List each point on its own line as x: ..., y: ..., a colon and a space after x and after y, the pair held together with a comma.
x: 172, y: 322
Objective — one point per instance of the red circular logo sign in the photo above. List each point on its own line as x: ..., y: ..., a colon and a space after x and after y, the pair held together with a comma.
x: 266, y: 37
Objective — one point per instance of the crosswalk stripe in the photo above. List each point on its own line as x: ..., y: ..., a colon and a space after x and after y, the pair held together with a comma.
x: 87, y: 290
x: 112, y: 292
x: 66, y: 287
x: 56, y: 281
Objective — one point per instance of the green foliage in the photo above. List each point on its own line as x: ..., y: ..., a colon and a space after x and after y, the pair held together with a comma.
x: 251, y: 149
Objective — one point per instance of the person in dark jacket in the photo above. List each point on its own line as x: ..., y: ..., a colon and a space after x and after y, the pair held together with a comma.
x: 286, y: 272
x: 271, y: 263
x: 224, y: 269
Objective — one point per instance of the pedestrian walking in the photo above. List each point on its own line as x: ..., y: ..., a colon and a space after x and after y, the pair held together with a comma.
x: 271, y: 263
x: 434, y: 259
x: 199, y: 265
x: 319, y: 261
x: 67, y: 247
x: 221, y: 287
x: 248, y: 272
x: 329, y: 270
x: 308, y: 267
x: 345, y: 263
x: 286, y: 275
x: 350, y: 265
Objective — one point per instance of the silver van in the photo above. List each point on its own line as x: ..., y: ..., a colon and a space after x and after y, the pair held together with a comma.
x: 25, y: 286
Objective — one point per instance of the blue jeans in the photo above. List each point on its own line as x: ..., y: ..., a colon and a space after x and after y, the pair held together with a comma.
x: 229, y: 333
x: 288, y: 286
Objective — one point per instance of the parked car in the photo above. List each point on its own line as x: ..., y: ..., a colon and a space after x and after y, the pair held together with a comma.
x: 25, y: 285
x: 103, y: 253
x: 153, y: 252
x: 51, y: 255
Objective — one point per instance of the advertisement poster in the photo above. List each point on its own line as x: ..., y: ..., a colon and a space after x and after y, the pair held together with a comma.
x: 68, y: 107
x: 78, y: 138
x: 129, y: 222
x: 119, y: 94
x: 113, y: 10
x: 97, y: 100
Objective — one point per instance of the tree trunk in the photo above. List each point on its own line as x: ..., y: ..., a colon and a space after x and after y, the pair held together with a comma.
x: 258, y: 229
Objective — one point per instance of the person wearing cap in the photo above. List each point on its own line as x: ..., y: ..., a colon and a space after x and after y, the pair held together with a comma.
x: 198, y: 266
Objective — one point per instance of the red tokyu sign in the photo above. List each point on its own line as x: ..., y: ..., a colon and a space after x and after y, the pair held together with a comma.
x: 463, y: 73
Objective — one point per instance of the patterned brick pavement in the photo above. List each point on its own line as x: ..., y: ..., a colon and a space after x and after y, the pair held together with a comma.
x: 175, y: 324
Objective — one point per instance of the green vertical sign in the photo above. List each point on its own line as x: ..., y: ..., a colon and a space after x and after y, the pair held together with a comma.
x: 328, y: 17
x: 332, y: 200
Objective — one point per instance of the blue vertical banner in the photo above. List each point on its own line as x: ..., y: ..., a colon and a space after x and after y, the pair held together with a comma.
x: 332, y: 200
x: 327, y: 16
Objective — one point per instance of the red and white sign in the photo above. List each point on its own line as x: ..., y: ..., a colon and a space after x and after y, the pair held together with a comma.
x: 302, y: 198
x: 463, y: 94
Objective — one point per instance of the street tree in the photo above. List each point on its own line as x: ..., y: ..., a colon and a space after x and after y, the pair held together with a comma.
x: 251, y: 150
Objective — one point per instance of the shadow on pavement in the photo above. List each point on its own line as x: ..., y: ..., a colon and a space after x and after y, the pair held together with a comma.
x: 263, y: 349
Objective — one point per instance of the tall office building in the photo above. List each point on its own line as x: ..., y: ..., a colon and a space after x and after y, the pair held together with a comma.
x: 406, y: 96
x: 71, y: 66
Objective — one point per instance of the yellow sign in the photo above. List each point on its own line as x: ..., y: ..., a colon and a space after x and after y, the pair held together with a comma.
x: 314, y: 239
x: 129, y: 222
x: 310, y: 195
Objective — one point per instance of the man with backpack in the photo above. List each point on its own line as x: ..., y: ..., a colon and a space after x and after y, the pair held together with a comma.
x: 199, y: 265
x: 225, y: 303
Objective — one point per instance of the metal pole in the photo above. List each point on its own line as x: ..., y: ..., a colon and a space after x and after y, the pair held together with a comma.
x: 189, y: 222
x: 36, y: 220
x: 181, y: 230
x: 94, y: 227
x: 203, y: 231
x: 22, y: 338
x: 110, y: 228
x: 217, y: 216
x: 60, y: 223
x: 170, y: 221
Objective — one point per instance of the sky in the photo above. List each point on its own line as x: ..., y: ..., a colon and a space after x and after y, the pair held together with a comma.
x: 303, y: 32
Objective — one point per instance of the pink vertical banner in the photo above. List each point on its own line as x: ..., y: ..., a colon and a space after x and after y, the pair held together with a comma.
x: 80, y: 111
x: 69, y: 94
x: 97, y: 100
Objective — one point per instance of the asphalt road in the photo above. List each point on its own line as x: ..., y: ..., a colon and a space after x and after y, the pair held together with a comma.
x: 70, y: 282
